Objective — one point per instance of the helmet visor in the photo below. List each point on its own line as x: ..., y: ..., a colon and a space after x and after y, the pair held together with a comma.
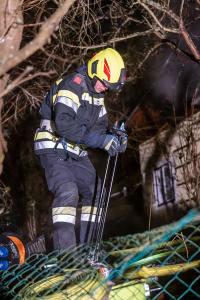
x: 117, y: 86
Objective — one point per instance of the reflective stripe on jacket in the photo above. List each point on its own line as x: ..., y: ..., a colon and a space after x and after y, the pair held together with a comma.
x: 48, y: 141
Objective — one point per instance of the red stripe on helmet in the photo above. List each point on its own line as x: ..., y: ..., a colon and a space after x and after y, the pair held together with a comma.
x: 106, y: 69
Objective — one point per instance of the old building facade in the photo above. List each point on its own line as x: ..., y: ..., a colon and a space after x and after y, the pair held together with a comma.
x: 170, y: 168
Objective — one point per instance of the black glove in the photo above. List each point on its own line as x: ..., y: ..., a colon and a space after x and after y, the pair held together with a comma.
x: 122, y: 137
x: 123, y: 140
x: 111, y: 144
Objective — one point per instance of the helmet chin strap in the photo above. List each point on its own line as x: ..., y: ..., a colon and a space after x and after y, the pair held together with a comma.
x: 94, y: 80
x: 91, y: 82
x: 116, y: 87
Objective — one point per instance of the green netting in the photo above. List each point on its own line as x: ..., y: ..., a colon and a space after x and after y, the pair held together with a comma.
x: 163, y: 263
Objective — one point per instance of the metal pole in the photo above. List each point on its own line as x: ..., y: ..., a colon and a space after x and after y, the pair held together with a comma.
x: 101, y: 198
x: 107, y: 200
x: 103, y: 214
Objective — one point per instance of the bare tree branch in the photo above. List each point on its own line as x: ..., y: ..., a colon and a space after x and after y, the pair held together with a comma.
x: 114, y: 40
x: 189, y: 41
x: 149, y: 53
x: 46, y: 31
x: 181, y: 8
x: 161, y: 8
x: 182, y: 30
x: 24, y: 78
x: 150, y: 12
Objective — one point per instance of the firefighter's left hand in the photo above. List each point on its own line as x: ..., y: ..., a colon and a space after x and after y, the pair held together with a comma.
x: 123, y: 139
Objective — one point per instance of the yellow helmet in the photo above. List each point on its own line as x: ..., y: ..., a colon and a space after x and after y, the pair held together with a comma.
x: 108, y: 66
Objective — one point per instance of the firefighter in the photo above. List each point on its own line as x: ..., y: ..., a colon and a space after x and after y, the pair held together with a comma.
x: 74, y: 118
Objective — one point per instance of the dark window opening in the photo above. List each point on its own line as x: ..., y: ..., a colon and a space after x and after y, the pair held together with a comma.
x: 164, y: 184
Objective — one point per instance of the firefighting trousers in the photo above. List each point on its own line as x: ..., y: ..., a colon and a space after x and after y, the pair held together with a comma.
x: 73, y: 182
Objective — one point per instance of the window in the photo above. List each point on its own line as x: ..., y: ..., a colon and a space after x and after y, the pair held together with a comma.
x: 164, y: 183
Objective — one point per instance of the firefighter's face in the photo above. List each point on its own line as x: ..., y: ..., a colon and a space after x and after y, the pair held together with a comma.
x: 100, y: 87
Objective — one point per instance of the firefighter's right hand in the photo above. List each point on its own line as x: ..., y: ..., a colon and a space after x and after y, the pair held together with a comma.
x: 111, y: 144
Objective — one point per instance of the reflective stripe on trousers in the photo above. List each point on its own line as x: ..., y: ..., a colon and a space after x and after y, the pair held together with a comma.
x: 70, y: 180
x: 64, y: 214
x: 89, y: 213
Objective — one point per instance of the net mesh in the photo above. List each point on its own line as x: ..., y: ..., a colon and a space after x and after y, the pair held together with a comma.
x: 163, y: 263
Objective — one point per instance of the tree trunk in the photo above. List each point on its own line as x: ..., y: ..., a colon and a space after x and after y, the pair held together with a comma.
x: 11, y: 28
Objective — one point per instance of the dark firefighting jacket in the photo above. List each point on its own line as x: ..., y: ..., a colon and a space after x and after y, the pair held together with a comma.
x: 73, y: 115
